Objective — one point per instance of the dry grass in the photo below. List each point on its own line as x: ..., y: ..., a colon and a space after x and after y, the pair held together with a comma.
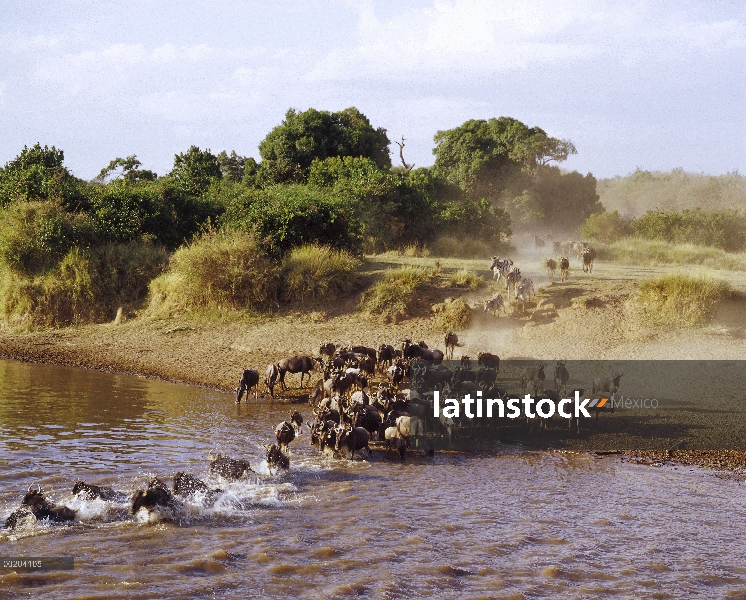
x: 453, y: 315
x: 465, y: 279
x: 313, y: 272
x: 221, y: 270
x: 679, y: 299
x: 636, y: 251
x: 394, y: 297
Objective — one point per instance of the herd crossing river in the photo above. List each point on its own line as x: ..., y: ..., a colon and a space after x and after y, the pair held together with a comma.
x: 510, y: 523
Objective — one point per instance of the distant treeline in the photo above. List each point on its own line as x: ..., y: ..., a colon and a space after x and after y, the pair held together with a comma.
x: 324, y: 178
x: 672, y: 191
x: 724, y: 229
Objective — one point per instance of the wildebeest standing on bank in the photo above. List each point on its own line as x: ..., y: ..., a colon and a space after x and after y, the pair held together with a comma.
x: 588, y: 256
x: 564, y: 268
x: 451, y: 341
x: 249, y: 379
x: 297, y: 364
x: 270, y: 378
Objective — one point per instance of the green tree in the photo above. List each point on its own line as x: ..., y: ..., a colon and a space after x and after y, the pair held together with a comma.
x: 393, y: 209
x: 483, y: 157
x: 195, y: 169
x: 130, y: 170
x: 38, y: 173
x: 290, y: 148
x: 287, y: 216
x: 232, y: 166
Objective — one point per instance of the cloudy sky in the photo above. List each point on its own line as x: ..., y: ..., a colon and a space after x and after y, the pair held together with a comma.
x: 655, y: 85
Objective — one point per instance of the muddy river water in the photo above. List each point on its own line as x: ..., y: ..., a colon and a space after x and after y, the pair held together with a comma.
x: 513, y: 523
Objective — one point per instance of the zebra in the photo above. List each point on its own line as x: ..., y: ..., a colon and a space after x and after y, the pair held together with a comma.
x: 500, y: 268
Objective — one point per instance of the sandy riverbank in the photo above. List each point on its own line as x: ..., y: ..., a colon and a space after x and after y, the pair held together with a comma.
x: 585, y: 318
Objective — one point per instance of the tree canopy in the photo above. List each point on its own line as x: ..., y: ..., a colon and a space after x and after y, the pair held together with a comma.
x: 289, y: 149
x: 195, y: 169
x: 483, y: 157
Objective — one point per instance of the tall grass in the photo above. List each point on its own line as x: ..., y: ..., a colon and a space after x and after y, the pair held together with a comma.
x: 466, y: 279
x: 394, y: 297
x: 86, y: 286
x: 314, y: 272
x: 679, y: 299
x: 220, y: 270
x: 453, y: 315
x: 636, y: 251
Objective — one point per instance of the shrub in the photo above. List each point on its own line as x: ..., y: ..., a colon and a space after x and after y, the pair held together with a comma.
x: 34, y: 236
x: 220, y: 270
x: 395, y: 296
x: 725, y: 229
x: 314, y: 272
x: 465, y: 279
x: 606, y: 227
x: 86, y: 286
x: 284, y: 217
x: 679, y: 299
x: 453, y: 315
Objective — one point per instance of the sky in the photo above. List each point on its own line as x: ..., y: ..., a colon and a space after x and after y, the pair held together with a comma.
x: 649, y: 85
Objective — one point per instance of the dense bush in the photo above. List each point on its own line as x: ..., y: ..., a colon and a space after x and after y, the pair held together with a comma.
x: 288, y: 216
x: 85, y: 286
x: 220, y: 270
x: 394, y: 297
x: 726, y: 229
x: 606, y: 227
x: 34, y: 236
x: 464, y: 278
x: 452, y: 315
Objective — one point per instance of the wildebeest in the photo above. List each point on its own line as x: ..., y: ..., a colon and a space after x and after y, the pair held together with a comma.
x: 349, y: 440
x: 451, y: 341
x: 561, y: 376
x: 276, y: 458
x: 494, y: 304
x: 229, y: 468
x: 155, y: 496
x: 500, y: 268
x: 187, y: 485
x: 423, y: 354
x: 327, y: 349
x: 564, y: 268
x: 91, y: 492
x: 386, y: 354
x: 285, y: 433
x: 538, y: 241
x: 297, y: 420
x: 535, y: 376
x: 396, y: 374
x: 488, y: 360
x: 34, y: 503
x: 557, y: 248
x: 270, y: 378
x: 588, y: 256
x: 607, y: 386
x: 297, y: 364
x: 369, y: 352
x: 249, y: 379
x: 551, y: 266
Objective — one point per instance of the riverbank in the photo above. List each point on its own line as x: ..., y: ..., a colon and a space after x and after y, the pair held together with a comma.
x: 584, y: 318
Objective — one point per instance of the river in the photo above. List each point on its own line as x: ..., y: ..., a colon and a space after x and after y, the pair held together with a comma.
x: 513, y: 523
